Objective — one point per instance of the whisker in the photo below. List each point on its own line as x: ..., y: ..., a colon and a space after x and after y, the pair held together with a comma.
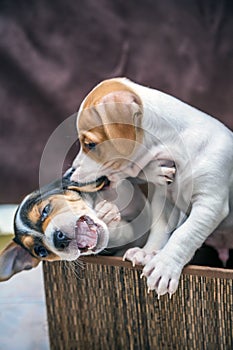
x: 77, y: 268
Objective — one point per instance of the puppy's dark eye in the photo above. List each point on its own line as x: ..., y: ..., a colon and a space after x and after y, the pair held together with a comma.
x: 41, y: 251
x: 45, y: 212
x: 90, y: 145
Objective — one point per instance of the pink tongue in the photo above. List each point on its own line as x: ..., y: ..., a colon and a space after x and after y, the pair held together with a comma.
x: 86, y: 235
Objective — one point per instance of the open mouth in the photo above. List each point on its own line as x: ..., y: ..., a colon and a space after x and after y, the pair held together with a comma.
x: 90, y: 186
x: 103, y: 181
x: 88, y: 234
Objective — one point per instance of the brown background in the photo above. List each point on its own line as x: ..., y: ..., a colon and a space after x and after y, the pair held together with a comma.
x: 53, y: 53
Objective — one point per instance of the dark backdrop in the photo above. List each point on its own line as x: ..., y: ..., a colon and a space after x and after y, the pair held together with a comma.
x: 53, y: 52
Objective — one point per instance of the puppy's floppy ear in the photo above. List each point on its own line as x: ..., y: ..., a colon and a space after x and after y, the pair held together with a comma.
x: 121, y: 114
x: 14, y: 259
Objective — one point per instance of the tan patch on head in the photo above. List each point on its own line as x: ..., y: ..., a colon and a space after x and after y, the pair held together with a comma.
x: 96, y: 135
x: 105, y: 88
x: 112, y: 101
x: 70, y: 200
x: 34, y: 214
x: 61, y: 203
x: 112, y: 111
x: 28, y: 242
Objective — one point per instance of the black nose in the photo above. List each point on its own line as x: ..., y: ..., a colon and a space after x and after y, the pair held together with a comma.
x: 61, y: 241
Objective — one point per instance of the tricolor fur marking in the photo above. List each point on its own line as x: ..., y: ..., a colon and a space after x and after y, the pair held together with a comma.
x: 64, y: 221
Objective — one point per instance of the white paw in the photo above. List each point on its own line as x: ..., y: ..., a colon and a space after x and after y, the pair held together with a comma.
x: 166, y: 171
x: 167, y: 174
x: 138, y: 256
x: 162, y: 274
x: 161, y: 172
x: 108, y: 212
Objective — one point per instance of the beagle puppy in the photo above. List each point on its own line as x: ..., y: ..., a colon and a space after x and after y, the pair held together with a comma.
x: 64, y: 221
x: 125, y: 129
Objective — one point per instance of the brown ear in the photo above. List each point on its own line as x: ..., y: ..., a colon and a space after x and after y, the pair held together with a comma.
x: 14, y: 259
x: 121, y: 114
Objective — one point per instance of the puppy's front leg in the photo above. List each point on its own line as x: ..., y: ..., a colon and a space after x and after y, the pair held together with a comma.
x: 163, y: 270
x: 159, y: 172
x: 165, y: 215
x: 108, y: 212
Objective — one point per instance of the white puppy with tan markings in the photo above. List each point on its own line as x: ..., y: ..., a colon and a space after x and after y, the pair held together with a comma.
x: 124, y: 130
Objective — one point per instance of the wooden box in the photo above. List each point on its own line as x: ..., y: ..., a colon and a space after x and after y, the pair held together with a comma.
x: 105, y: 305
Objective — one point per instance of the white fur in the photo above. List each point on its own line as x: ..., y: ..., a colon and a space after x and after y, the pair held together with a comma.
x: 68, y: 225
x: 202, y: 149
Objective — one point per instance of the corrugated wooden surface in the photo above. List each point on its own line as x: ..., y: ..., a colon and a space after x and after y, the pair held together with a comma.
x: 105, y: 305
